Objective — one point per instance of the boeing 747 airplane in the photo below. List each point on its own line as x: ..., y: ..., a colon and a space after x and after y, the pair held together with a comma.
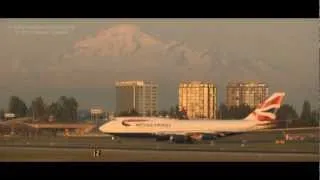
x: 262, y: 117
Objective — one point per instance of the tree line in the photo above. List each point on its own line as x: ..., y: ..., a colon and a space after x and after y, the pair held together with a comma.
x: 64, y: 109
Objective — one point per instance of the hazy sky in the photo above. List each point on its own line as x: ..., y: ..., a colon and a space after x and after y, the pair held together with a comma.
x: 44, y: 57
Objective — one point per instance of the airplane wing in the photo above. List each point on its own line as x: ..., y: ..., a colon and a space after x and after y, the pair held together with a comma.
x: 183, y: 132
x: 196, y: 134
x: 289, y: 129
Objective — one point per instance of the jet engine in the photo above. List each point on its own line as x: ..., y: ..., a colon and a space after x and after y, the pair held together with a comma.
x: 180, y: 139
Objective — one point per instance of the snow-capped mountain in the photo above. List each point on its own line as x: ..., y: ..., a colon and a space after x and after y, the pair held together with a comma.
x: 129, y: 42
x: 116, y: 41
x: 128, y: 50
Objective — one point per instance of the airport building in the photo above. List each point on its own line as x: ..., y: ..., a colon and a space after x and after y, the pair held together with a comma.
x: 198, y: 99
x: 249, y: 93
x: 141, y: 96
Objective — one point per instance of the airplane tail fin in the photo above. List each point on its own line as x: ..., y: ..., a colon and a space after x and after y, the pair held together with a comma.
x: 266, y: 111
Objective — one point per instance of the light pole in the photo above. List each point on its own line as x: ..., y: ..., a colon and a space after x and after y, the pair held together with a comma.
x: 97, y: 129
x: 94, y: 116
x: 33, y: 114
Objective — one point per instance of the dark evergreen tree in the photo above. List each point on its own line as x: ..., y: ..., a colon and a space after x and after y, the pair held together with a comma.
x: 17, y: 106
x: 306, y: 111
x: 286, y: 112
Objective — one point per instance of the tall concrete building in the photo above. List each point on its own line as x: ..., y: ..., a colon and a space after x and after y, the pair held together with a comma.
x: 142, y: 96
x: 198, y: 99
x: 249, y: 93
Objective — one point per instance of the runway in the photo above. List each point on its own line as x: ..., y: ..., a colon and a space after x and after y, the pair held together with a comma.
x: 115, y: 155
x: 232, y: 145
x: 258, y: 147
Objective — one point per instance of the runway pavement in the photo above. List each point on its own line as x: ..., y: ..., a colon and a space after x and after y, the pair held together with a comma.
x: 74, y: 155
x: 147, y: 144
x: 259, y: 147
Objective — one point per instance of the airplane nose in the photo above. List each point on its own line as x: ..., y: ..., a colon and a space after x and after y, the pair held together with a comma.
x: 103, y: 127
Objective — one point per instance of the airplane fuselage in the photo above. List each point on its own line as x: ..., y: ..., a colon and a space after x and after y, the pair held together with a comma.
x: 261, y: 118
x: 139, y: 126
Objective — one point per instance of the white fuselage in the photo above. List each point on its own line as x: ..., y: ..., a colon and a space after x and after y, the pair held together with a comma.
x: 154, y: 125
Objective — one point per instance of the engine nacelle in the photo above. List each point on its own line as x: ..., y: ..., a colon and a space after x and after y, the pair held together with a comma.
x: 179, y: 139
x: 200, y: 137
x: 162, y: 137
x: 208, y: 137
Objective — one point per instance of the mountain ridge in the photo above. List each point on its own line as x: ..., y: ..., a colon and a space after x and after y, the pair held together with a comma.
x: 125, y: 48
